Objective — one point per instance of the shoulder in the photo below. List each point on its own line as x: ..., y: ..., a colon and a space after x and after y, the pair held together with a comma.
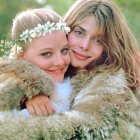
x: 19, y: 67
x: 113, y: 79
x: 117, y: 78
x: 9, y: 64
x: 91, y: 83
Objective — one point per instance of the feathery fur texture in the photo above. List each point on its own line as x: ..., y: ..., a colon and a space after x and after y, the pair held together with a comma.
x: 102, y: 107
x: 19, y: 78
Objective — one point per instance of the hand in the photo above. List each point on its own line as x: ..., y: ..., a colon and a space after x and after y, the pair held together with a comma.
x: 40, y: 105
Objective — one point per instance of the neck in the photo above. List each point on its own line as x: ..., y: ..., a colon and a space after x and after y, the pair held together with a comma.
x: 81, y: 70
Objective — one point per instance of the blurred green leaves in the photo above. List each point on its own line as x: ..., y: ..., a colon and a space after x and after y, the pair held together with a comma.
x: 9, y: 9
x: 5, y: 47
x: 131, y: 10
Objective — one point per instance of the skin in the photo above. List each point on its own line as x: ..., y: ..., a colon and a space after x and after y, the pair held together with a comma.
x: 85, y: 46
x: 51, y: 54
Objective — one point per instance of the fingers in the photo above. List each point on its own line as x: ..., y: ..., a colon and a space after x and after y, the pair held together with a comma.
x: 50, y: 109
x: 40, y: 105
x: 30, y: 109
x: 44, y: 110
x: 36, y: 110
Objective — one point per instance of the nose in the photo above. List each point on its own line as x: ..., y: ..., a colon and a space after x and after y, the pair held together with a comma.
x: 85, y: 43
x: 58, y: 60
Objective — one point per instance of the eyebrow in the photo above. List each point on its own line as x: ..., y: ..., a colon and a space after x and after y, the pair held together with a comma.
x: 49, y: 49
x: 85, y: 31
x: 44, y: 49
x: 80, y: 28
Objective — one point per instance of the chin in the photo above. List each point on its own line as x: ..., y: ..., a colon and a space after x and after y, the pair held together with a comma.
x: 77, y: 65
x: 59, y: 80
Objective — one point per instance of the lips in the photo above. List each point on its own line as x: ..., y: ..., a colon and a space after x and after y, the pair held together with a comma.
x: 56, y: 71
x: 80, y: 56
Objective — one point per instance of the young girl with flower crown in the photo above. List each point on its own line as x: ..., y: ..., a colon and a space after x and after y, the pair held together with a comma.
x: 105, y: 78
x: 41, y: 36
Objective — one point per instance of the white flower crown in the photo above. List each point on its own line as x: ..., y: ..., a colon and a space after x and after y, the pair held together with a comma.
x: 40, y: 30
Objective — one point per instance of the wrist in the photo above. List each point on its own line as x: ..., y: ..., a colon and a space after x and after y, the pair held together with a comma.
x: 23, y: 102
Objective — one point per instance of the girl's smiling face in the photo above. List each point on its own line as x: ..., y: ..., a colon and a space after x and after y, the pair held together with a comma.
x: 85, y: 45
x: 50, y: 53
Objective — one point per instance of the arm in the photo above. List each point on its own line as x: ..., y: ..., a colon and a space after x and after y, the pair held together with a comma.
x: 71, y: 125
x: 58, y: 126
x: 21, y: 78
x: 113, y: 105
x: 97, y: 113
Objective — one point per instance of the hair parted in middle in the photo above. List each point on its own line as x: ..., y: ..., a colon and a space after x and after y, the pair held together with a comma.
x: 120, y: 46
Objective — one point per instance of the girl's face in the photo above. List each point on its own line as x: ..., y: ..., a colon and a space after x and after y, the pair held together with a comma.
x: 50, y: 53
x: 85, y: 45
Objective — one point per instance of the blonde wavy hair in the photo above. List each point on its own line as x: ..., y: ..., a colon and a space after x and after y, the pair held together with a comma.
x: 30, y: 19
x: 120, y: 46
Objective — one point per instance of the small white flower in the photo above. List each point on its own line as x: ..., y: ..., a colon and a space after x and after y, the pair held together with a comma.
x: 2, y: 41
x: 41, y: 30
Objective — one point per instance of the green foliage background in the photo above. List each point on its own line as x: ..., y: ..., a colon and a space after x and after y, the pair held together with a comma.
x: 9, y: 9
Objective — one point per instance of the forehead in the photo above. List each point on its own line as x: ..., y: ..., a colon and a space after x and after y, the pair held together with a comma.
x: 54, y: 40
x: 94, y: 23
x: 89, y: 24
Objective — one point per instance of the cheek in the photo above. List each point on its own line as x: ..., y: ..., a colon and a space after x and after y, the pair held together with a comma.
x: 71, y: 39
x: 97, y: 51
x: 43, y: 64
x: 67, y: 59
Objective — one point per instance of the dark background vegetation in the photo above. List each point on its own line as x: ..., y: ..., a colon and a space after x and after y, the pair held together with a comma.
x: 9, y: 8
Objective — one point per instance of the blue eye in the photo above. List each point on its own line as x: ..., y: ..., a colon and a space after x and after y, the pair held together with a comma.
x: 79, y: 33
x: 98, y: 41
x: 65, y: 51
x: 46, y: 54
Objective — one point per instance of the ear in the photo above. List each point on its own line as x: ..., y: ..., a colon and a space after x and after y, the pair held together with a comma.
x: 21, y: 56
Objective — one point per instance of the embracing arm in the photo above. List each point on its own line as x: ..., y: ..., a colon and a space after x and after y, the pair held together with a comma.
x: 69, y: 126
x: 106, y: 112
x: 56, y: 127
x: 40, y: 105
x: 114, y: 106
x: 20, y: 78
